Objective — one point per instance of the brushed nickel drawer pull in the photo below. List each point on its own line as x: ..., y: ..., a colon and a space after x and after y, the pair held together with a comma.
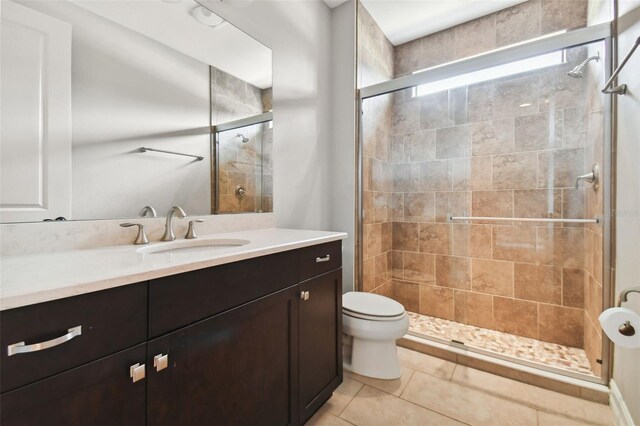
x: 21, y: 348
x: 160, y: 362
x: 323, y: 259
x: 137, y: 372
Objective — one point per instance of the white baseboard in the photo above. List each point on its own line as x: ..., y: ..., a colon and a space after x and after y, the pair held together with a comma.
x: 621, y: 415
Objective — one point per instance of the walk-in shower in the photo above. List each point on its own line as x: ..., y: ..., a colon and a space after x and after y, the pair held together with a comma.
x: 469, y: 214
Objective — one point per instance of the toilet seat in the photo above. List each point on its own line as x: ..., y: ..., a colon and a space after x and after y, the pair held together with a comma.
x: 372, y: 317
x: 371, y: 307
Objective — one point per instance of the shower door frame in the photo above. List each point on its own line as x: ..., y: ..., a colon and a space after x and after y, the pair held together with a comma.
x: 545, y: 44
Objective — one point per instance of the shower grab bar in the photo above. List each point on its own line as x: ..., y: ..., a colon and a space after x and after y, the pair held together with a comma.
x: 521, y: 219
x: 197, y: 157
x: 620, y: 89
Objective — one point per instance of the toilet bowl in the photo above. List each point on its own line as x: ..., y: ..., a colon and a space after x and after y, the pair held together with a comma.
x: 371, y: 324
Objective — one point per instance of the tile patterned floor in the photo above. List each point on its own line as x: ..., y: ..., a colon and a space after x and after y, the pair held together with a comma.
x: 564, y: 357
x: 433, y: 391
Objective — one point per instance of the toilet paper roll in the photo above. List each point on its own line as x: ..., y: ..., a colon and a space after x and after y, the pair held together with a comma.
x: 613, y: 318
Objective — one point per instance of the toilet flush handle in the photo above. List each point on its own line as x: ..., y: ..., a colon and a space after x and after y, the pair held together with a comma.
x: 304, y: 295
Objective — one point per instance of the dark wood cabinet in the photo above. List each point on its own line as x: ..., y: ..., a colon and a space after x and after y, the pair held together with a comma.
x: 98, y: 393
x: 320, y: 354
x: 179, y: 300
x: 248, y: 343
x: 316, y: 260
x: 110, y: 320
x: 236, y: 368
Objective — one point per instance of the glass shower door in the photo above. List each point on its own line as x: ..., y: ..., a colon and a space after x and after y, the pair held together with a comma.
x: 471, y: 215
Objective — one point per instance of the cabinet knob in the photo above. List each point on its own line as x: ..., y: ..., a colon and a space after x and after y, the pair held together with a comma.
x: 160, y: 362
x: 137, y: 372
x: 304, y: 295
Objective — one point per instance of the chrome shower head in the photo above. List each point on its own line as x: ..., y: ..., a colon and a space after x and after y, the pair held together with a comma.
x: 578, y: 71
x: 243, y: 138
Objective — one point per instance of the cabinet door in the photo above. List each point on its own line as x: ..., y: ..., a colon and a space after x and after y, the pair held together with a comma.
x: 236, y: 368
x: 320, y: 341
x: 97, y: 393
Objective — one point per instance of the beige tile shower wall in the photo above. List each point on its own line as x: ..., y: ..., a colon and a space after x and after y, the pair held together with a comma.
x: 506, y: 148
x: 375, y: 64
x: 242, y: 164
x: 522, y: 22
x: 511, y: 148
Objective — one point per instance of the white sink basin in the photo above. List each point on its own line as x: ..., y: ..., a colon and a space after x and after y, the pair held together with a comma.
x: 193, y: 246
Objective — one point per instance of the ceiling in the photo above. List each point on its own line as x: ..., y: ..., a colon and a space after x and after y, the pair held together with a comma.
x: 406, y: 20
x: 334, y: 3
x: 170, y: 23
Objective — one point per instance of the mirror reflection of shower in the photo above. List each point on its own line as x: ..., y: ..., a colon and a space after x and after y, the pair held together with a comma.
x: 578, y: 71
x: 243, y: 165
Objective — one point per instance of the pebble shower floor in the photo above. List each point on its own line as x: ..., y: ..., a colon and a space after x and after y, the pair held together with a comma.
x: 550, y: 354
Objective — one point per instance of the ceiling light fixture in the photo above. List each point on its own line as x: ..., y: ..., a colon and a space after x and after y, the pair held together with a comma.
x: 206, y: 17
x: 492, y: 73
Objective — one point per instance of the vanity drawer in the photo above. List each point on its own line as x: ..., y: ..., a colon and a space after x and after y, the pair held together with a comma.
x: 316, y: 260
x: 71, y: 332
x: 179, y: 300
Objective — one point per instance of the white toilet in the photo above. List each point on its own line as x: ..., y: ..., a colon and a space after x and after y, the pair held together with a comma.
x: 371, y: 325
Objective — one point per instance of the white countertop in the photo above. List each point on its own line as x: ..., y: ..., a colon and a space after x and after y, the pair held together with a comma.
x: 34, y: 278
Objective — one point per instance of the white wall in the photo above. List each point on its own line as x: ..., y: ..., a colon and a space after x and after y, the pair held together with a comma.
x: 343, y: 124
x: 626, y: 365
x: 130, y: 91
x: 299, y: 33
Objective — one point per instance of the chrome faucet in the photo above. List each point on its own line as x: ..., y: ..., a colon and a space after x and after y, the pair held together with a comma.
x: 148, y: 210
x: 168, y: 228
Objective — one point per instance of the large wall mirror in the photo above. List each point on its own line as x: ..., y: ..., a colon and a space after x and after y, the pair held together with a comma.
x: 110, y: 106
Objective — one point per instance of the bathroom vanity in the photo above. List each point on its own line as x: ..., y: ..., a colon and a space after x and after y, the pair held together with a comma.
x: 250, y: 335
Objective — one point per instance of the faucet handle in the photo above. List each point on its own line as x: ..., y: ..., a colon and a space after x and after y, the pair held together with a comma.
x: 593, y: 177
x: 141, y: 238
x: 191, y: 234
